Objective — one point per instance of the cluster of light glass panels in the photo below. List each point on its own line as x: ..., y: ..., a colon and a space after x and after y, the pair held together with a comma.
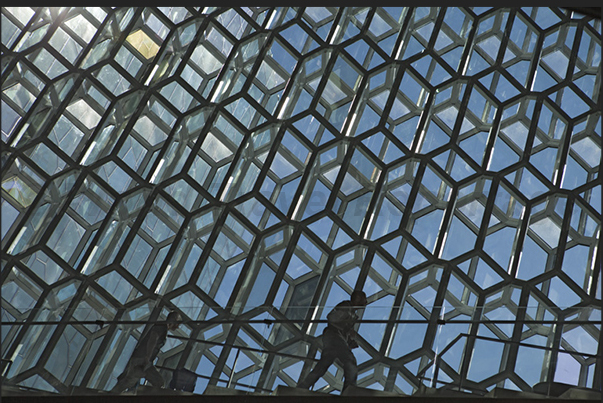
x: 261, y: 163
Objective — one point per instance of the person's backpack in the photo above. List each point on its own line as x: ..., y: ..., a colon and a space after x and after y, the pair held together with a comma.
x: 183, y: 379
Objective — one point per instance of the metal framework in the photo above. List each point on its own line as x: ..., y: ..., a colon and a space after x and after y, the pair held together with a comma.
x: 251, y: 167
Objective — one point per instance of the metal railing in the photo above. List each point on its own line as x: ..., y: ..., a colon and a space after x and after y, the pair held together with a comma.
x: 436, y: 363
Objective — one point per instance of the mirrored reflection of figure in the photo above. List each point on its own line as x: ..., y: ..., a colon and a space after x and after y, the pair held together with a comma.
x: 339, y: 338
x: 140, y: 364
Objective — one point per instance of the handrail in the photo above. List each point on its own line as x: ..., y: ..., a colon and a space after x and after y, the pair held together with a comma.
x: 256, y: 350
x: 438, y: 358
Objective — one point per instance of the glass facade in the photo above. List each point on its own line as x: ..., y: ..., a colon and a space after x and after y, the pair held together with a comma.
x: 251, y: 167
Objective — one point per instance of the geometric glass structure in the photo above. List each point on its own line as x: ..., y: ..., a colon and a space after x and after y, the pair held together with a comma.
x: 250, y: 167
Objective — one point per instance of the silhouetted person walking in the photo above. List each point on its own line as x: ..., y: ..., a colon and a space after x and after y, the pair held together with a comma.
x: 141, y: 362
x: 339, y: 338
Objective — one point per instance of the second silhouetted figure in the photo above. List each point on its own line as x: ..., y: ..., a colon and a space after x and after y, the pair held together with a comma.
x: 141, y: 362
x: 339, y: 338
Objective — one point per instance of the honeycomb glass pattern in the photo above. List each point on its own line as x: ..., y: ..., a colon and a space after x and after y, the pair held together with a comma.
x: 250, y: 167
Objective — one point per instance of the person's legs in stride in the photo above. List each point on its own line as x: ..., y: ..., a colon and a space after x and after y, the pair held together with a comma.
x: 326, y: 359
x: 128, y: 379
x: 154, y: 377
x: 350, y: 369
x: 123, y: 384
x: 334, y: 346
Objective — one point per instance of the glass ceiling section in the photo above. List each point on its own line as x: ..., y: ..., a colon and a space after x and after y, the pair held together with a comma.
x: 255, y: 165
